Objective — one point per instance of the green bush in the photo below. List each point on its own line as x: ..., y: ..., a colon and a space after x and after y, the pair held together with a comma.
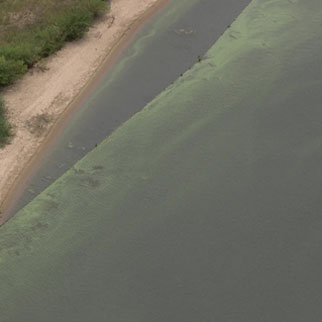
x: 96, y: 7
x: 73, y: 24
x: 10, y: 70
x: 39, y: 41
x: 48, y: 40
x: 5, y: 130
x: 21, y: 50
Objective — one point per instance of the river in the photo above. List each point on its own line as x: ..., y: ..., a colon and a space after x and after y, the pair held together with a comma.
x: 162, y: 50
x: 203, y: 206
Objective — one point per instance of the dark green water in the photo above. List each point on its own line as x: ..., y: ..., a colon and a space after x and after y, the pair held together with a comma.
x: 162, y: 50
x: 205, y: 206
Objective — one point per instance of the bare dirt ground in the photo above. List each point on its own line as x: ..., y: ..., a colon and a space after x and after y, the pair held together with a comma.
x: 36, y: 102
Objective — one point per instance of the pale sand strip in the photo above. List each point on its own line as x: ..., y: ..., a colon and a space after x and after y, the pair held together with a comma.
x: 47, y: 94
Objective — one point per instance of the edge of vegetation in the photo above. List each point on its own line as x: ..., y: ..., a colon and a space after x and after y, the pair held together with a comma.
x: 5, y: 129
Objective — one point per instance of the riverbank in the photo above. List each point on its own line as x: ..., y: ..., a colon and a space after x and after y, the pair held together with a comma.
x: 40, y: 100
x: 33, y: 30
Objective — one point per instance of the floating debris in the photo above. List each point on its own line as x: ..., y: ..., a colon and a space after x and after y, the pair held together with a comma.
x: 183, y: 31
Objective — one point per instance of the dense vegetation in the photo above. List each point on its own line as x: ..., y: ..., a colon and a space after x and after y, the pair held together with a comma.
x: 33, y: 29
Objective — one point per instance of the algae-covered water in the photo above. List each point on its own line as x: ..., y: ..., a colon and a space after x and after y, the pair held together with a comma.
x: 205, y: 206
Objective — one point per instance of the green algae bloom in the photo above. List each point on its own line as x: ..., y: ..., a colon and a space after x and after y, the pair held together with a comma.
x: 205, y: 206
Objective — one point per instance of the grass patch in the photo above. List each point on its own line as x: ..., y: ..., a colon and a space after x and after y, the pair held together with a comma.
x: 33, y: 29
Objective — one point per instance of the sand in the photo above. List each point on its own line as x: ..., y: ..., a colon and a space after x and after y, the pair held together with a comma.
x: 38, y: 101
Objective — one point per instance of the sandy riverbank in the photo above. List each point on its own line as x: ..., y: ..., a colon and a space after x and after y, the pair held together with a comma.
x: 40, y: 99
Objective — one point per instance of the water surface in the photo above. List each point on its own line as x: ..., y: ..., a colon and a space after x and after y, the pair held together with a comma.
x: 205, y: 206
x: 162, y: 50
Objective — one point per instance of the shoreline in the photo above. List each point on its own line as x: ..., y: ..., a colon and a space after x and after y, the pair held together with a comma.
x: 119, y: 31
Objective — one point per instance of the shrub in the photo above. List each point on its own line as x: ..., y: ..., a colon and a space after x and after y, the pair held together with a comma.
x: 96, y: 7
x: 48, y: 40
x: 10, y: 70
x: 21, y: 50
x: 73, y: 24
